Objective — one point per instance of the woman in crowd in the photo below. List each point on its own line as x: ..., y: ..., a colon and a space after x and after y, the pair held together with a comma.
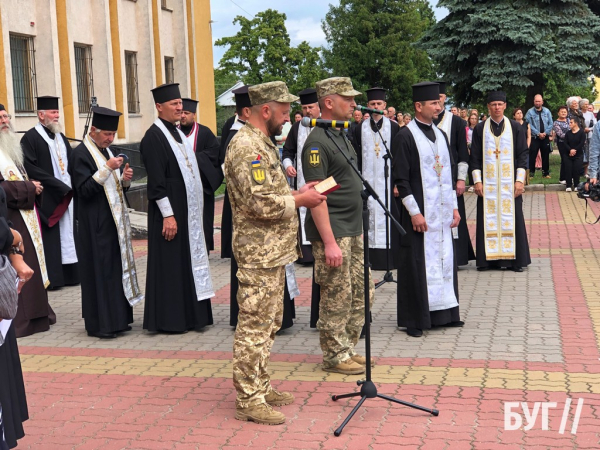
x: 560, y: 128
x: 574, y: 140
x: 473, y: 120
x: 574, y: 111
x: 12, y: 389
x: 519, y: 117
x: 407, y: 118
x: 297, y: 116
x: 400, y: 118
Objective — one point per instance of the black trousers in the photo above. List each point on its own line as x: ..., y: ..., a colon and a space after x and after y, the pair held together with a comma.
x: 543, y: 146
x: 573, y: 166
x: 563, y: 150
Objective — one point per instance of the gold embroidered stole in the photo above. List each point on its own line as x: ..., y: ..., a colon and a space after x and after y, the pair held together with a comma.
x: 498, y: 193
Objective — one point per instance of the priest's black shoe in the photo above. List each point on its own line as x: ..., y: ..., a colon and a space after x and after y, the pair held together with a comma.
x: 414, y: 332
x: 517, y: 269
x: 101, y: 335
x: 457, y: 324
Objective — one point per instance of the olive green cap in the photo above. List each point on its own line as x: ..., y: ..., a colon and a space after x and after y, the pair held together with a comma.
x: 336, y: 85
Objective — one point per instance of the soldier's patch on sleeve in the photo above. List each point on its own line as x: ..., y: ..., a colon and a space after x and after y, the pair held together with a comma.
x: 258, y: 172
x: 314, y: 158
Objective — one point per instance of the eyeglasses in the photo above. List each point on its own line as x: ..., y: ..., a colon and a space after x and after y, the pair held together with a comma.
x: 5, y: 117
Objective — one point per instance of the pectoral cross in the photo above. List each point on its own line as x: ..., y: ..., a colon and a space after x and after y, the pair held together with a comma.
x: 497, y: 152
x: 62, y: 165
x: 438, y: 167
x: 377, y: 149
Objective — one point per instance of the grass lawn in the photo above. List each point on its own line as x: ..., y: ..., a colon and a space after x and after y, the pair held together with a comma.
x: 221, y: 190
x: 554, y: 171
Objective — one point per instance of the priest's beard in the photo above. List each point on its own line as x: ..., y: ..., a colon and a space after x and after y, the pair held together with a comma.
x: 54, y: 127
x: 10, y: 145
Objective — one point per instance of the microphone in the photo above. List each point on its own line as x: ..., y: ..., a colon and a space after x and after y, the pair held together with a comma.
x: 322, y: 123
x: 364, y: 109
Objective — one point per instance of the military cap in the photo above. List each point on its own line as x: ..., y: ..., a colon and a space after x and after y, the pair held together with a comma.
x: 47, y: 102
x: 274, y: 91
x: 336, y: 85
x: 496, y: 96
x: 105, y: 119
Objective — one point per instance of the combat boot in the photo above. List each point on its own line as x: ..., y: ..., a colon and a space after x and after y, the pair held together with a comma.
x: 362, y: 360
x: 276, y: 398
x: 261, y: 413
x: 347, y: 367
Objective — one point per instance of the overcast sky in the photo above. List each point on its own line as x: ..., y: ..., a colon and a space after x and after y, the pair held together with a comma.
x: 303, y: 18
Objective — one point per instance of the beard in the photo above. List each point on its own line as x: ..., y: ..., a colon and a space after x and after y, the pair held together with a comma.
x: 274, y: 128
x: 10, y: 145
x: 54, y: 127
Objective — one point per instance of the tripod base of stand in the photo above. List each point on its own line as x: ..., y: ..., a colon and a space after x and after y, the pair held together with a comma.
x: 387, y: 278
x: 369, y: 390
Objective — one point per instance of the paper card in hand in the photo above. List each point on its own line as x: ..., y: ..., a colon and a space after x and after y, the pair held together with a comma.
x: 327, y: 186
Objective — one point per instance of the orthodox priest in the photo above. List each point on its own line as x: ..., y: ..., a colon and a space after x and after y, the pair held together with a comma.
x: 422, y: 170
x: 206, y: 147
x: 454, y: 129
x: 47, y: 152
x: 498, y: 162
x: 108, y: 289
x: 34, y: 314
x: 292, y: 161
x: 377, y: 133
x: 243, y: 109
x: 178, y: 282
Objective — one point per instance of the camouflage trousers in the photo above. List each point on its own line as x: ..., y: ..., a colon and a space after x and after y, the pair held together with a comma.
x: 260, y: 298
x: 341, y: 311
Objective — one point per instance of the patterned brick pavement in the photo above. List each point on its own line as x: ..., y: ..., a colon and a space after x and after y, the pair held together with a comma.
x: 530, y: 337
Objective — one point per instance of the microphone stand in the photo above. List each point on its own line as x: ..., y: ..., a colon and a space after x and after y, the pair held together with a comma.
x: 388, y: 277
x: 367, y: 387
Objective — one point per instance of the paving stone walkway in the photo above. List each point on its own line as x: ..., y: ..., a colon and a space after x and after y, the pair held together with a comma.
x: 529, y: 337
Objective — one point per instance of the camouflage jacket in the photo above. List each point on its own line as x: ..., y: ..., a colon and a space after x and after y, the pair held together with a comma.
x: 265, y: 224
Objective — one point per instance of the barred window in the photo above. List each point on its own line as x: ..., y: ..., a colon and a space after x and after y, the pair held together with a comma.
x: 85, y: 76
x: 133, y: 98
x: 169, y: 70
x: 163, y: 4
x: 22, y: 57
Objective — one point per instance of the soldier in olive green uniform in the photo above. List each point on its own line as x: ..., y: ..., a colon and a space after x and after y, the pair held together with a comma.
x: 265, y: 239
x: 334, y: 229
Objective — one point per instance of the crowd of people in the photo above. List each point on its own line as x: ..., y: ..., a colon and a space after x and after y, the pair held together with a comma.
x: 65, y: 220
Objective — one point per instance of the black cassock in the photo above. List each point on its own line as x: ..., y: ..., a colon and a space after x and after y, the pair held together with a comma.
x: 458, y: 146
x: 34, y: 314
x: 289, y: 309
x: 521, y: 153
x: 55, y: 201
x: 105, y: 308
x: 290, y: 151
x: 171, y: 301
x: 12, y: 388
x: 412, y: 298
x: 207, y: 150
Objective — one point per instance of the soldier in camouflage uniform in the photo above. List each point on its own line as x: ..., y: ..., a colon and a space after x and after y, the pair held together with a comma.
x: 265, y: 239
x: 334, y: 229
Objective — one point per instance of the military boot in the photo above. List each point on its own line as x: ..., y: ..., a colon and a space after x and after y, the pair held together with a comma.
x: 347, y: 367
x: 261, y: 413
x: 362, y: 360
x: 276, y: 398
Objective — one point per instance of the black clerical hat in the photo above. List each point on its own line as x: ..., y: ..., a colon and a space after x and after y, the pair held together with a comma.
x: 442, y: 86
x: 425, y: 91
x: 308, y: 96
x: 496, y: 96
x: 47, y: 102
x: 105, y: 119
x: 190, y: 105
x: 375, y: 93
x: 242, y: 99
x: 2, y: 108
x: 166, y: 92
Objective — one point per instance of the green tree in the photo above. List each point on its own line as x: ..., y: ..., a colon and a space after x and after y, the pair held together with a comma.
x: 520, y: 46
x: 371, y: 42
x: 261, y: 52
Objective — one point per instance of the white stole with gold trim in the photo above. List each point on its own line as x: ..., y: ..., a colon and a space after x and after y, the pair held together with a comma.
x: 10, y: 172
x: 498, y: 192
x: 116, y: 202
